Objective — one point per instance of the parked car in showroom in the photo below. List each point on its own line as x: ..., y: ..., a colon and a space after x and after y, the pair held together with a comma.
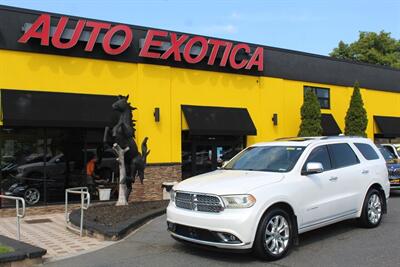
x: 393, y: 166
x: 32, y: 182
x: 269, y: 193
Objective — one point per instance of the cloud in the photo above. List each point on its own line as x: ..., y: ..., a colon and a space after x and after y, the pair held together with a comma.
x: 219, y: 29
x: 260, y: 17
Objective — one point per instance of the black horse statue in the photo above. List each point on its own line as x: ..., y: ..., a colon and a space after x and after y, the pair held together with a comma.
x: 123, y: 133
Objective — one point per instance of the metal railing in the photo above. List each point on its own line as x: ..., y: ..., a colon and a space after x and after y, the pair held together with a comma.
x: 19, y: 214
x: 85, y: 203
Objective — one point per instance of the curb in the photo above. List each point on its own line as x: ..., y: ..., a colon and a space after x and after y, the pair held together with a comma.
x: 23, y: 255
x: 118, y: 231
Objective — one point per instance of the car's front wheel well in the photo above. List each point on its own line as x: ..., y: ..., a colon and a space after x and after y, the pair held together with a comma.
x: 382, y: 193
x: 289, y: 209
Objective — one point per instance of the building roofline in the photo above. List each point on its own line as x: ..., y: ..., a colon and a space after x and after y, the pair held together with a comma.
x: 285, y: 50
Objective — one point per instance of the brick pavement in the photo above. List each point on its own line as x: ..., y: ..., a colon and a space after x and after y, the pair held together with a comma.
x: 53, y: 236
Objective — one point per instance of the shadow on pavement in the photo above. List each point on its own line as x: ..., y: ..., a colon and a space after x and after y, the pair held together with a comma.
x: 328, y: 232
x: 395, y: 193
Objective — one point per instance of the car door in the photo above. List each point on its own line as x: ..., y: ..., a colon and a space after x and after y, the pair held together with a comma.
x: 318, y: 194
x: 346, y: 179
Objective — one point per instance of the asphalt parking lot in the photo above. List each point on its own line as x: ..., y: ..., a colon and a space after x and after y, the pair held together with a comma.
x: 342, y: 244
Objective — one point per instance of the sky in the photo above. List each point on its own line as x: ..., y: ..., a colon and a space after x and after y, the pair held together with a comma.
x: 314, y: 26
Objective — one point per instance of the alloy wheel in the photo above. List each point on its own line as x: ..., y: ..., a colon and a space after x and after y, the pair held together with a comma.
x: 374, y: 209
x: 277, y: 235
x: 32, y: 196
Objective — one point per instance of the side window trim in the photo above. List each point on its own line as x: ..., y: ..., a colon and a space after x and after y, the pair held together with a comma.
x: 329, y: 155
x: 374, y: 156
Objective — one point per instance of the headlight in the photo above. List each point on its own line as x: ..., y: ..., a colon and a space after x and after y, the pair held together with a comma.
x: 172, y: 195
x: 238, y: 201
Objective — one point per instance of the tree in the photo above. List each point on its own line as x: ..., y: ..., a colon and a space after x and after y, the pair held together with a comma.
x: 356, y: 117
x: 310, y: 115
x: 375, y: 48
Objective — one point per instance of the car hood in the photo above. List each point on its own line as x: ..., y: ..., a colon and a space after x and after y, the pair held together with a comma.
x: 31, y: 165
x: 223, y: 182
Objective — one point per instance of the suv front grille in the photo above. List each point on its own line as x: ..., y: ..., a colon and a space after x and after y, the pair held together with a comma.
x: 198, y: 202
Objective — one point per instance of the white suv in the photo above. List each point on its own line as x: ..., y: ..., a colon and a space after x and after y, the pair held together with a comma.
x: 271, y: 192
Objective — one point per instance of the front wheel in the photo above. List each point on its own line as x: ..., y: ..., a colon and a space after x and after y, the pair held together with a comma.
x: 372, y: 211
x: 32, y: 196
x: 274, y: 236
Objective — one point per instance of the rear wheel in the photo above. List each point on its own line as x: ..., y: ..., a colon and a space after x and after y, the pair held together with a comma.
x: 372, y: 212
x: 32, y: 196
x: 274, y: 237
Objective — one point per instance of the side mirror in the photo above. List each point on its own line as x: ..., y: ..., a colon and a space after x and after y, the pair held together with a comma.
x: 57, y: 160
x: 313, y: 168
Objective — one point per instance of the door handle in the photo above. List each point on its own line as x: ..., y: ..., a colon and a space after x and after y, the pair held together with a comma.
x: 333, y: 179
x: 365, y: 172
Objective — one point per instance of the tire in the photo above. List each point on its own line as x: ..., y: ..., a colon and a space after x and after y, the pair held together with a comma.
x: 372, y: 210
x: 274, y: 238
x: 32, y: 196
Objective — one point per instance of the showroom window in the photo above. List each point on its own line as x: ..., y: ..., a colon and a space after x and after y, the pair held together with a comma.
x: 38, y: 164
x: 323, y: 95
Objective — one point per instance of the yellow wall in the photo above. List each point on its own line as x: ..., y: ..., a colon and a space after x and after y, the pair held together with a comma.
x: 168, y: 88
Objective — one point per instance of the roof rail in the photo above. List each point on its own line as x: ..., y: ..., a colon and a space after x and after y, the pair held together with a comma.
x: 296, y: 138
x: 308, y: 138
x: 343, y: 136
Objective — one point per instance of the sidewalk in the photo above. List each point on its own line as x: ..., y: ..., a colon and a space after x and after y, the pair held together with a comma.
x: 49, y: 232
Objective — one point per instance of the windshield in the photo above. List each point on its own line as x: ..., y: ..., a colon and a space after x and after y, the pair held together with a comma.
x: 266, y: 158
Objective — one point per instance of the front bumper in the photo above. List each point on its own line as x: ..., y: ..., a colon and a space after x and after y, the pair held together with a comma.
x: 241, y: 223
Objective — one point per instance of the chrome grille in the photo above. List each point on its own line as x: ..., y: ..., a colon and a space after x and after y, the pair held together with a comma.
x: 198, y: 202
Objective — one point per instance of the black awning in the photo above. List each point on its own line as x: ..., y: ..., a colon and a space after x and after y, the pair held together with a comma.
x: 329, y: 125
x: 388, y: 126
x: 45, y: 109
x: 218, y: 121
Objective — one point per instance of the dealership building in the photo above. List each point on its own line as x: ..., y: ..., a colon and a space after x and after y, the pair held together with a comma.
x: 199, y: 99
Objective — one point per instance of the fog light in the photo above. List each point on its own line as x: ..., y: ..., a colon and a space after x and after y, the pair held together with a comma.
x: 171, y: 226
x: 228, y: 238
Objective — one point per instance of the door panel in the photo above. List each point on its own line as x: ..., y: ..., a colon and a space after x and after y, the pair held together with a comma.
x: 348, y: 171
x: 320, y: 202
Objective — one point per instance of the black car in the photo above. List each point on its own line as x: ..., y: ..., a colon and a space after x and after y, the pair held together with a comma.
x: 55, y: 175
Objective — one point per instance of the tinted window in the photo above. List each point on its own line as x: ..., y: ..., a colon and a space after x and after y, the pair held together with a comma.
x: 319, y: 154
x: 322, y: 95
x: 386, y: 154
x: 391, y: 150
x: 367, y: 151
x: 266, y: 158
x: 342, y: 155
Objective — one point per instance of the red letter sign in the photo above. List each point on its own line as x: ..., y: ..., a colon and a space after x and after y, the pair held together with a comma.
x: 232, y: 57
x: 257, y: 59
x: 216, y: 45
x: 188, y: 49
x: 97, y: 26
x: 144, y: 52
x: 44, y: 22
x: 107, y: 40
x: 56, y: 40
x: 174, y: 48
x: 225, y: 56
